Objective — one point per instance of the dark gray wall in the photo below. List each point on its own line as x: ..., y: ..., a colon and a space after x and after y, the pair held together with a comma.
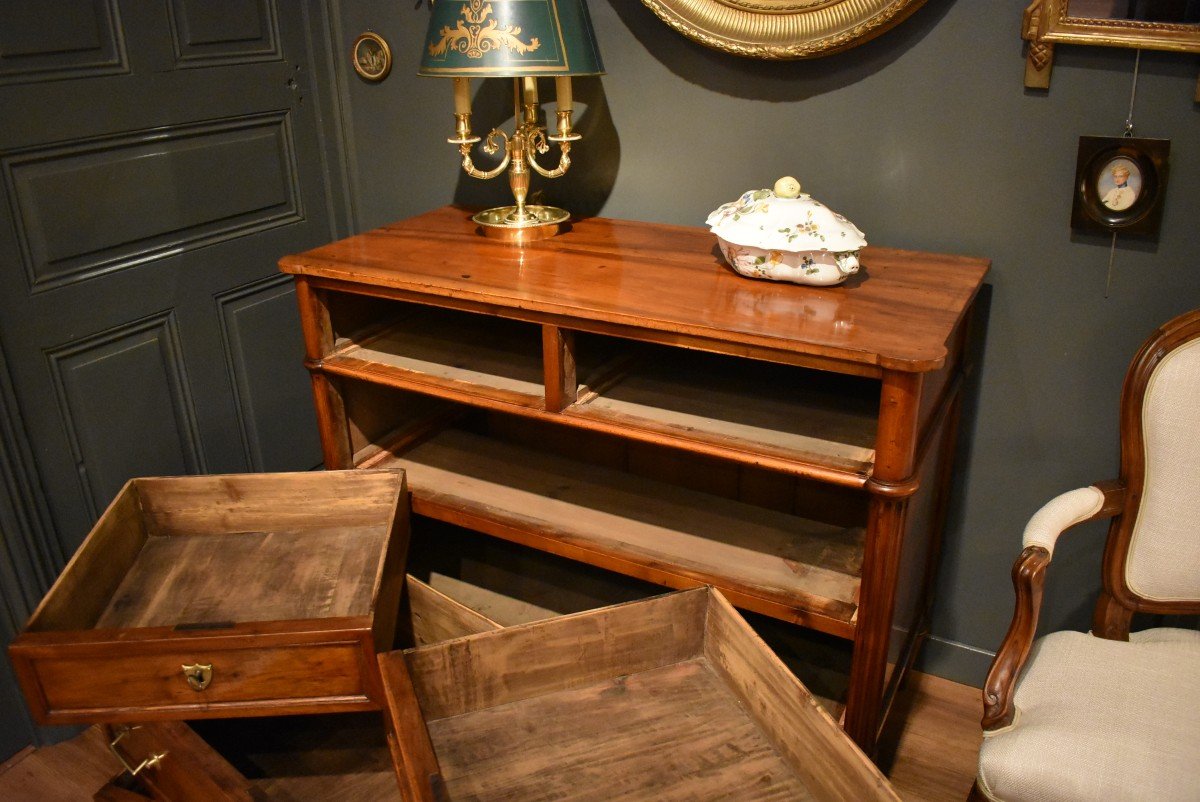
x: 925, y: 138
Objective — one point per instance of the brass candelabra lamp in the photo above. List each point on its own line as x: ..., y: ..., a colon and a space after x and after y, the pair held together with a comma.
x: 522, y: 40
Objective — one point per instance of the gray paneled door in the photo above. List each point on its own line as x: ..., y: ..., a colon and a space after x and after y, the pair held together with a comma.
x: 156, y: 158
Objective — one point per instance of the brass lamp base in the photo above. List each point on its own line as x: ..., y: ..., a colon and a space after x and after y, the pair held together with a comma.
x: 538, y: 222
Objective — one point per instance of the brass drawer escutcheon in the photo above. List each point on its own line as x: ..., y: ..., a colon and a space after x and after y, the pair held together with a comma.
x: 198, y: 675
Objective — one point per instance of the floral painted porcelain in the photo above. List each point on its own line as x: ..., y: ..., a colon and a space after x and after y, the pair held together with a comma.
x: 785, y: 235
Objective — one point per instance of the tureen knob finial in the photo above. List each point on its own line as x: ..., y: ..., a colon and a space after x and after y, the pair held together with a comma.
x: 787, y: 187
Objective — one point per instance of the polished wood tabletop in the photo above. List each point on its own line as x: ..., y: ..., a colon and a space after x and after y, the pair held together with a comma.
x: 897, y: 313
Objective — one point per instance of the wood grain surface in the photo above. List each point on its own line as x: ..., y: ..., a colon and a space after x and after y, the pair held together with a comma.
x: 429, y: 616
x: 695, y: 538
x: 264, y: 502
x: 529, y: 660
x: 665, y: 278
x: 437, y: 346
x: 741, y: 404
x: 787, y: 713
x: 669, y: 734
x: 253, y: 576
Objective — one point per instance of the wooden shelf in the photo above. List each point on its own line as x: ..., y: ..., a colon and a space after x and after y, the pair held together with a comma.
x: 512, y: 584
x: 453, y: 354
x: 739, y: 405
x: 782, y: 565
x: 799, y: 421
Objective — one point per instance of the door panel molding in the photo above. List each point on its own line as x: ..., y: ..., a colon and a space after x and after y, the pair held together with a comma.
x: 123, y: 187
x: 115, y: 366
x: 205, y: 35
x: 271, y: 410
x: 62, y: 40
x: 26, y: 531
x: 126, y: 406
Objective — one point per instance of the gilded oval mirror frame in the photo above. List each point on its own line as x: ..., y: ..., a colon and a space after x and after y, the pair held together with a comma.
x: 782, y: 29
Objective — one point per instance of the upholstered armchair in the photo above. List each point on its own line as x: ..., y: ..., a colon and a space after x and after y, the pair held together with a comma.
x: 1113, y: 715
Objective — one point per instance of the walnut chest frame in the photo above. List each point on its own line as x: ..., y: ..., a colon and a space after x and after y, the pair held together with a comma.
x: 617, y: 395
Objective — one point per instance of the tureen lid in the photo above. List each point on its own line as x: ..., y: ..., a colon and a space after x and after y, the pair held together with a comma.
x: 784, y: 219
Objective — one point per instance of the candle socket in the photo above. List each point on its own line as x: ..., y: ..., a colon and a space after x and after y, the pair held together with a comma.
x: 563, y: 128
x: 462, y: 129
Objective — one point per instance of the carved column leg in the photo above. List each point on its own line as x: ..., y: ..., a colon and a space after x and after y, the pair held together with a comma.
x: 868, y: 668
x: 891, y: 486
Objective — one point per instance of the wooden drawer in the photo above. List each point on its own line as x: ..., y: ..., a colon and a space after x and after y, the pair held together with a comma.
x: 295, y: 757
x: 274, y: 591
x: 586, y: 706
x: 237, y: 677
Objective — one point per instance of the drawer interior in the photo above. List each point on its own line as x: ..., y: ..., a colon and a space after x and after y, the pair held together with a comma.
x: 585, y: 704
x: 211, y: 551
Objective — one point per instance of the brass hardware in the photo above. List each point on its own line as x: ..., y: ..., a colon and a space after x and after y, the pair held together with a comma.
x: 520, y: 223
x: 198, y: 676
x: 149, y: 763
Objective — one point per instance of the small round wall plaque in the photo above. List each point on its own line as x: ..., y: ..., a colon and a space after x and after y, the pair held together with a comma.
x: 372, y: 57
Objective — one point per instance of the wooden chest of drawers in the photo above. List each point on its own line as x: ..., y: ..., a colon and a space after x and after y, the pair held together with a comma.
x: 618, y: 396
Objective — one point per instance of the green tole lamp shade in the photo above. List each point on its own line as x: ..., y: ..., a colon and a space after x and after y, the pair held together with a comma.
x: 510, y: 39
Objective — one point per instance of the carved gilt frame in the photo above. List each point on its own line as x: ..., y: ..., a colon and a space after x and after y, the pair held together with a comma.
x: 782, y: 29
x: 1048, y: 23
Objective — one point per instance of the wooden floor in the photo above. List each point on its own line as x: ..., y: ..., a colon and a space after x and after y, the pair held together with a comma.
x: 933, y: 758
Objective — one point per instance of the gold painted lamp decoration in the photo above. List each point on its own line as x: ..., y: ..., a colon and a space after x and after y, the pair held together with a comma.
x: 522, y: 40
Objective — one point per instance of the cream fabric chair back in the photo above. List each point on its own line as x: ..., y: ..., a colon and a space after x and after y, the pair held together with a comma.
x: 1163, y: 562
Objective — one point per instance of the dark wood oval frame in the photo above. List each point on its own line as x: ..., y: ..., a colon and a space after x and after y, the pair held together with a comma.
x: 1095, y: 154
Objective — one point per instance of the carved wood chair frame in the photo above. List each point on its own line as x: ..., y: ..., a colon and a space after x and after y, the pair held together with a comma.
x: 1117, y: 602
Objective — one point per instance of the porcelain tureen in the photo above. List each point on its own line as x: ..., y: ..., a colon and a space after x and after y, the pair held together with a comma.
x: 784, y: 234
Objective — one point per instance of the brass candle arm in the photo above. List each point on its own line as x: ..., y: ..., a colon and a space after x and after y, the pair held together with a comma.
x: 564, y: 162
x: 521, y: 149
x: 489, y: 147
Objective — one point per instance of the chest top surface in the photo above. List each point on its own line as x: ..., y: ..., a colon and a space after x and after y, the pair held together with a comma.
x: 897, y: 313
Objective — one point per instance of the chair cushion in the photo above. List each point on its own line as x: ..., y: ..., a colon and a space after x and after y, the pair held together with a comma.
x: 1102, y: 719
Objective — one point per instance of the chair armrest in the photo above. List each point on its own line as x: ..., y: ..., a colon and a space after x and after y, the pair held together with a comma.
x: 1060, y: 514
x: 1102, y: 500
